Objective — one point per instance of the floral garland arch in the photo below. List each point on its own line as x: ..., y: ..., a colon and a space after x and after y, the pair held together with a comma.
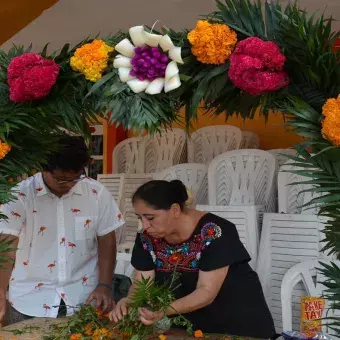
x: 241, y: 58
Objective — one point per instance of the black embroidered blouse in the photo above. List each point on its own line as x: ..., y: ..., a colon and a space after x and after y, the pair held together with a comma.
x: 240, y: 307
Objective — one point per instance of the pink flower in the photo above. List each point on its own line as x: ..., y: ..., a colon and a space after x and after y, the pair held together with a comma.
x: 31, y: 77
x: 256, y: 66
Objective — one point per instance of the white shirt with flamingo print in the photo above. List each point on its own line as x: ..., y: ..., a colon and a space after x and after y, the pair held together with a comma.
x: 57, y: 252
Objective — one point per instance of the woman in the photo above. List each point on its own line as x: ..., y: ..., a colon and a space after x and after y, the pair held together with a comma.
x: 219, y: 292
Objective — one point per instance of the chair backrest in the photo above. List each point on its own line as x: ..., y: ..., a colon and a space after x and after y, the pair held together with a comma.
x: 123, y: 265
x: 113, y: 183
x: 285, y: 241
x: 194, y: 177
x: 128, y: 156
x: 282, y: 155
x: 290, y: 197
x: 164, y: 150
x: 246, y: 220
x: 250, y: 140
x: 208, y: 142
x: 242, y: 177
x: 307, y: 273
x: 130, y: 184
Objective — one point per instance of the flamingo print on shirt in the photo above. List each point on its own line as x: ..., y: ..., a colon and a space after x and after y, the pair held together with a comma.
x: 63, y: 241
x: 25, y: 263
x: 21, y: 194
x: 72, y: 246
x: 15, y: 214
x: 46, y: 307
x: 39, y: 285
x: 95, y: 192
x: 51, y: 266
x: 39, y: 189
x: 84, y: 280
x: 75, y: 211
x: 87, y: 223
x: 41, y: 230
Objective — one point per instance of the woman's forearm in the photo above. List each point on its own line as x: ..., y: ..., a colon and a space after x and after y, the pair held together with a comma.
x: 199, y: 298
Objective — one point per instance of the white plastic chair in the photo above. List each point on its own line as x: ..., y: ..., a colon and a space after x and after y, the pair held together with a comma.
x: 250, y: 140
x: 123, y: 265
x: 113, y: 183
x: 245, y: 219
x: 243, y: 177
x: 128, y: 156
x: 285, y: 241
x: 193, y: 176
x: 307, y: 273
x: 131, y: 182
x: 208, y: 142
x: 290, y: 197
x: 282, y: 155
x: 164, y: 150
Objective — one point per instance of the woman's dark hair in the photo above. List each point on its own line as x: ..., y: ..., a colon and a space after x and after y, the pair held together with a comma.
x: 161, y: 195
x: 73, y: 155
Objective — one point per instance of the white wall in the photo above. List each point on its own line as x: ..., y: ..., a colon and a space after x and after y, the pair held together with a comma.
x: 73, y: 20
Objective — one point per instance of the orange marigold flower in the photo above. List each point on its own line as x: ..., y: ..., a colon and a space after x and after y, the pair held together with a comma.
x: 77, y: 336
x: 91, y: 59
x: 4, y: 149
x: 198, y: 334
x: 331, y: 123
x: 162, y: 337
x: 100, y: 333
x: 212, y: 43
x: 88, y: 329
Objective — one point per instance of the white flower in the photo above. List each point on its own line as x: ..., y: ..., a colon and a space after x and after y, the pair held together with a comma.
x: 158, y: 72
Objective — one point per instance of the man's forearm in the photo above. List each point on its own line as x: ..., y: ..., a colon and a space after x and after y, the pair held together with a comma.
x: 107, y: 251
x: 7, y: 267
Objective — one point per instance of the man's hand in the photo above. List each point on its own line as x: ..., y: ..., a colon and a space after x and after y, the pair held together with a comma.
x: 103, y: 297
x: 2, y: 306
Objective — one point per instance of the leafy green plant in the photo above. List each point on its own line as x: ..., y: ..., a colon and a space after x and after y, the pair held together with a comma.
x: 5, y: 247
x: 157, y: 298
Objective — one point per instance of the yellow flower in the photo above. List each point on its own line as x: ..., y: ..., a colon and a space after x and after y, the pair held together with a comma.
x: 331, y: 123
x: 212, y: 43
x: 162, y: 337
x: 4, y: 149
x: 198, y: 334
x: 91, y: 59
x: 77, y: 336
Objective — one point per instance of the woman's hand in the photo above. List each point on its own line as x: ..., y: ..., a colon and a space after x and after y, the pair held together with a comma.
x: 149, y: 318
x: 119, y: 311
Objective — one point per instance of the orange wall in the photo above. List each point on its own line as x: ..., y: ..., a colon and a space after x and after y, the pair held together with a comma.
x: 273, y: 134
x: 16, y: 14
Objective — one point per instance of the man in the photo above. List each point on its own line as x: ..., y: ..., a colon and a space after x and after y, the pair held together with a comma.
x: 63, y: 225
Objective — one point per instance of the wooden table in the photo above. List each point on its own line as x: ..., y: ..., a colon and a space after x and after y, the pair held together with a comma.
x: 38, y: 326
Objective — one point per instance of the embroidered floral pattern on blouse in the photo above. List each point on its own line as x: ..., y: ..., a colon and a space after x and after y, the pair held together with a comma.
x: 182, y: 257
